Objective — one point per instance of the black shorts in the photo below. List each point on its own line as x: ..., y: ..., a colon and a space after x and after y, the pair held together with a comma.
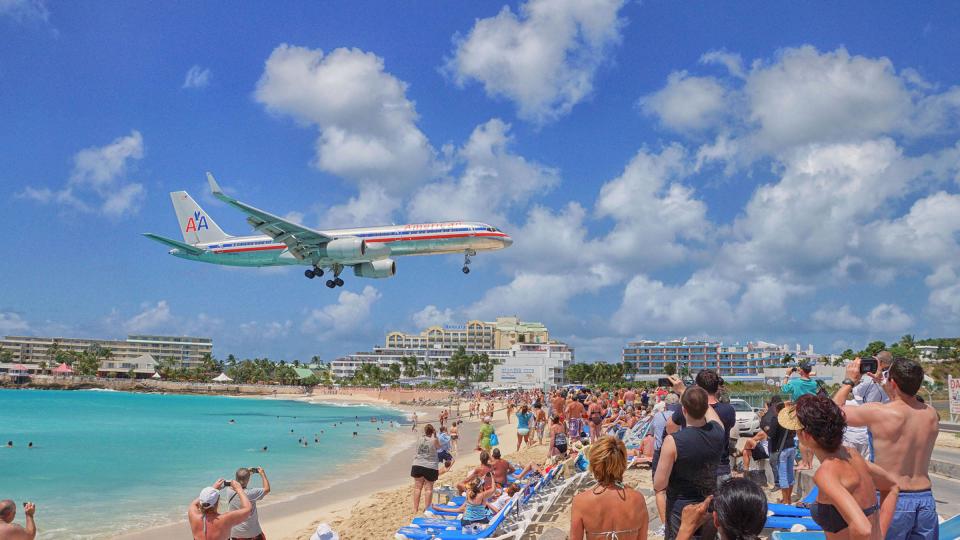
x: 562, y: 448
x: 428, y: 474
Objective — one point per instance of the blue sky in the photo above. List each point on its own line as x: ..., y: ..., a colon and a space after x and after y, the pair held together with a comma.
x: 738, y: 171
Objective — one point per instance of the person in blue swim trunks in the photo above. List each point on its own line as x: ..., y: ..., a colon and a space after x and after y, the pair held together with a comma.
x: 904, y: 432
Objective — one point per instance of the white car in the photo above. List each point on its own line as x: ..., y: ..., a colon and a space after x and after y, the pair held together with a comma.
x: 748, y: 421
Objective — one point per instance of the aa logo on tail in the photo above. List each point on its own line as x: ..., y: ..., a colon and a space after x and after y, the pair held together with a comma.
x: 198, y: 221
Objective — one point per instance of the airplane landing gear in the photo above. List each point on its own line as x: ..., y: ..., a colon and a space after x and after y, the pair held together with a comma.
x: 336, y: 281
x: 466, y: 260
x: 311, y: 273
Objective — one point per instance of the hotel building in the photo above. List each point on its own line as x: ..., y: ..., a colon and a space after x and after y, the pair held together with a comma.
x: 525, y: 354
x: 136, y: 352
x: 649, y: 358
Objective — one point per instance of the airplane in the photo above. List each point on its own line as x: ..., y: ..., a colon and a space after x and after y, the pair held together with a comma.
x: 368, y: 250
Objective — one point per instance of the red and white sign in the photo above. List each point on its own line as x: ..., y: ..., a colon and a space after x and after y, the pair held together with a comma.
x: 953, y: 387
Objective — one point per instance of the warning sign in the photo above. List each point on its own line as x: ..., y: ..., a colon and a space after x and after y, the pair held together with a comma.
x: 954, y: 387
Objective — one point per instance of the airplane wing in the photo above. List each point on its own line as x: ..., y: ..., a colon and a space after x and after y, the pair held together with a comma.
x: 302, y: 241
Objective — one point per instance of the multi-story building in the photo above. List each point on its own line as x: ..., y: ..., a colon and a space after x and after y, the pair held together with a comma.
x: 475, y: 335
x: 509, y: 341
x: 126, y: 354
x: 648, y: 358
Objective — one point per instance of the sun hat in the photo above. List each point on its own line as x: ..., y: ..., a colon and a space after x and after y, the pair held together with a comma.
x: 209, y: 497
x: 788, y: 418
x: 324, y: 532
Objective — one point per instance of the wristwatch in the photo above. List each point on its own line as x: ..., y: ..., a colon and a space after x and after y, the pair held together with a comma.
x: 849, y: 381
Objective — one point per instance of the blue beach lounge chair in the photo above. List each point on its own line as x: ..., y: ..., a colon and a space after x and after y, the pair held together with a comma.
x: 452, y: 530
x: 789, y: 510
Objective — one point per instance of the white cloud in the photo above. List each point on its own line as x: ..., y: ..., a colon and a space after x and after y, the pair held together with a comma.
x: 12, y: 323
x: 493, y: 180
x: 544, y: 58
x: 837, y: 319
x: 197, y: 77
x: 270, y: 330
x: 687, y: 103
x: 372, y: 206
x: 25, y: 10
x: 432, y: 316
x: 888, y: 318
x: 943, y: 303
x: 368, y: 131
x: 705, y: 302
x: 343, y: 317
x: 152, y: 317
x: 98, y: 180
x: 732, y: 61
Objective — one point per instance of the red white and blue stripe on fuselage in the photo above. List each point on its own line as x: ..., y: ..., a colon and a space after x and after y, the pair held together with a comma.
x: 418, y: 239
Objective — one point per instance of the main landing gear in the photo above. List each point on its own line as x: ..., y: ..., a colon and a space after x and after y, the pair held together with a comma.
x: 336, y: 281
x: 466, y: 260
x: 313, y: 272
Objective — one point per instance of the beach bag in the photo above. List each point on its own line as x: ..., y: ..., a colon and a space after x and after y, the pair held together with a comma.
x: 494, y: 440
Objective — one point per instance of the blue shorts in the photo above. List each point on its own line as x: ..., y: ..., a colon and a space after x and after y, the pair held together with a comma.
x: 915, y: 517
x: 785, y: 468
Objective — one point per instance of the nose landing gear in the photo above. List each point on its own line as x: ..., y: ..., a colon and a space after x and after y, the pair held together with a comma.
x: 466, y: 260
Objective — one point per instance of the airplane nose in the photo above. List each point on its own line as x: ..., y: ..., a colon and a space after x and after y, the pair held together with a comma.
x: 507, y: 241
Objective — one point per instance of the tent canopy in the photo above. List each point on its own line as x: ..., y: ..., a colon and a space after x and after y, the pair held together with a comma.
x: 222, y: 378
x: 63, y: 368
x: 155, y: 375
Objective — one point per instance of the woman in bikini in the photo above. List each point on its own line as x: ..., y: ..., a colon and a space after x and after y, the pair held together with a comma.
x: 595, y: 416
x: 610, y: 509
x: 558, y: 438
x: 847, y: 506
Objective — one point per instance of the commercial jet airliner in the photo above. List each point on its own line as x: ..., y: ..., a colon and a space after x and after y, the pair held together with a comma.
x: 369, y: 251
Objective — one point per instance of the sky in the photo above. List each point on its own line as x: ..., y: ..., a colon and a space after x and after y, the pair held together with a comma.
x: 741, y: 171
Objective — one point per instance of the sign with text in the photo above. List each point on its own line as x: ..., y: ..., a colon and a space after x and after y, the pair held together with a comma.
x: 953, y: 387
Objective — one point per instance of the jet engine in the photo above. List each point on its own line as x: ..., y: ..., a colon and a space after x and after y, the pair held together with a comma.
x: 383, y: 268
x: 345, y: 249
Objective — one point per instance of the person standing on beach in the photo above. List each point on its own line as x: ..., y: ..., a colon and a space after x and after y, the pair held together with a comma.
x: 426, y: 466
x: 455, y: 436
x: 206, y: 522
x: 540, y: 421
x: 904, y: 432
x: 610, y: 509
x: 250, y: 528
x: 797, y: 387
x: 483, y: 439
x: 11, y: 531
x: 523, y: 425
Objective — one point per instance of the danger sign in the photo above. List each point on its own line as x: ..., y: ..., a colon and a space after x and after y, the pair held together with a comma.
x: 954, y: 388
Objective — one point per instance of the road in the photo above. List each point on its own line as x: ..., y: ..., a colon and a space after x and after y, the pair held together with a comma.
x: 946, y: 490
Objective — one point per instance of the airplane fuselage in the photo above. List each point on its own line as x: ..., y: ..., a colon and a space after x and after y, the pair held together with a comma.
x: 381, y: 243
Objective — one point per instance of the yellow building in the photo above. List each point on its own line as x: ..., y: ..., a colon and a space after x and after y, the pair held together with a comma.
x: 503, y: 333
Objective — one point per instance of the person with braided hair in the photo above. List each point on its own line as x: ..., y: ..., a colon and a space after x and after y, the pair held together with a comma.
x: 846, y: 505
x: 738, y: 511
x: 609, y: 510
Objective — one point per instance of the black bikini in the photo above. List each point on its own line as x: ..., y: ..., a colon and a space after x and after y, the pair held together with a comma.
x: 828, y: 517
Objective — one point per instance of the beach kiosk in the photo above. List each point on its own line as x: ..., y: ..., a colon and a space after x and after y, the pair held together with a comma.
x: 63, y: 370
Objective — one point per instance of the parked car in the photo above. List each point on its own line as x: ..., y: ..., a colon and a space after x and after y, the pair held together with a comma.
x: 748, y: 421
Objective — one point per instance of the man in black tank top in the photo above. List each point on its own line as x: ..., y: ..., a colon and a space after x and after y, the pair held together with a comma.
x: 687, y: 472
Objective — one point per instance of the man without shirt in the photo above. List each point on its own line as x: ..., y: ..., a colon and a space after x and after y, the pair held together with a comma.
x: 206, y: 522
x: 904, y: 432
x: 10, y: 530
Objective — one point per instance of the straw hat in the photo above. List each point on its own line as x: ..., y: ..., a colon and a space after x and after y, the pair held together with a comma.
x: 788, y: 418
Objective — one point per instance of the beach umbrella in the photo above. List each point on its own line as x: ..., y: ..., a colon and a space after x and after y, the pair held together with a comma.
x: 222, y: 378
x: 62, y: 369
x: 155, y: 375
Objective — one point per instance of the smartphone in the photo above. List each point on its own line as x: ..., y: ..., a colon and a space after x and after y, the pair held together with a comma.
x: 663, y: 381
x: 868, y: 365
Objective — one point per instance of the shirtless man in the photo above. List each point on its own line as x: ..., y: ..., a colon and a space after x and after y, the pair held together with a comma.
x: 904, y: 431
x: 11, y: 531
x: 574, y: 413
x: 206, y: 523
x: 482, y: 473
x: 557, y: 403
x: 500, y: 468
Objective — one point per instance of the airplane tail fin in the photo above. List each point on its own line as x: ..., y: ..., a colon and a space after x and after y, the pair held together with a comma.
x: 195, y: 224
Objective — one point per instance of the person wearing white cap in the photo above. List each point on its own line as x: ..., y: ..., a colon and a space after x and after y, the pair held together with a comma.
x: 206, y: 522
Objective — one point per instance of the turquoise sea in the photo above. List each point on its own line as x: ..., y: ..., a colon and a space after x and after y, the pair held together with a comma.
x: 107, y: 462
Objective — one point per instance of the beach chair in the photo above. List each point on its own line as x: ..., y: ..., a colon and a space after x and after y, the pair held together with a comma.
x: 452, y: 529
x: 789, y: 510
x: 787, y: 522
x: 785, y: 535
x: 950, y: 528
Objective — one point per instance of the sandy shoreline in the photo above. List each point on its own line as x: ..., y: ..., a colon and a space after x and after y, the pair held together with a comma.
x: 289, y: 516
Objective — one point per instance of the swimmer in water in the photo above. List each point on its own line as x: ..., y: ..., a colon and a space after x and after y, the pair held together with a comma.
x: 9, y: 444
x: 232, y: 421
x: 264, y: 448
x: 30, y: 444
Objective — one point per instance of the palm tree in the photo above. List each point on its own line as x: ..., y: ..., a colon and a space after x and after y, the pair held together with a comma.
x: 409, y: 366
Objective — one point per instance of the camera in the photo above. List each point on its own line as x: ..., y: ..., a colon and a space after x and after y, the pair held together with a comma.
x: 868, y: 365
x: 663, y: 381
x: 253, y: 470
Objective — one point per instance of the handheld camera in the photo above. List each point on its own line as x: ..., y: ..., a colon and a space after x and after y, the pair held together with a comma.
x: 868, y: 365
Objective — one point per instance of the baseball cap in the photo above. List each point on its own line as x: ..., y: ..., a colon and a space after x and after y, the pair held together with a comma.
x: 324, y: 532
x: 209, y: 497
